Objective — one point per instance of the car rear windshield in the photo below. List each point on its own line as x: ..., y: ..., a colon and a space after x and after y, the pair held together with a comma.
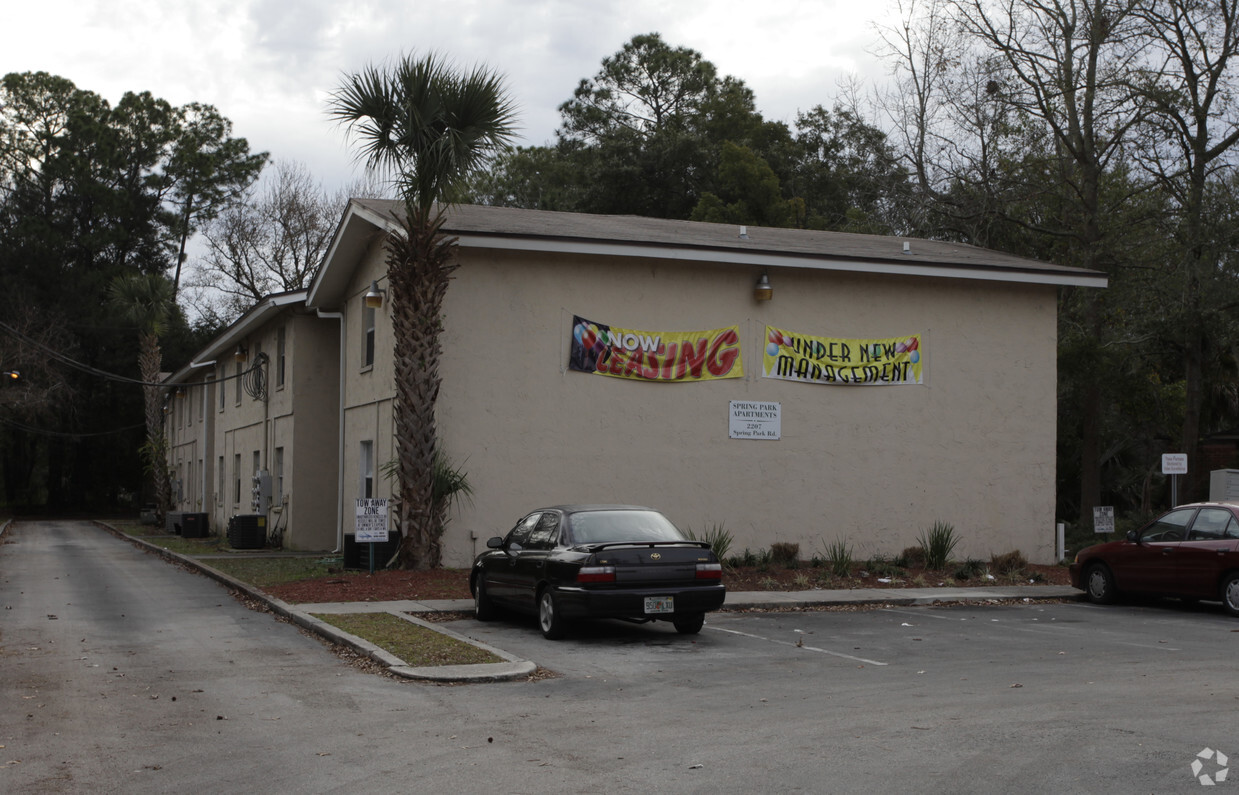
x: 598, y: 527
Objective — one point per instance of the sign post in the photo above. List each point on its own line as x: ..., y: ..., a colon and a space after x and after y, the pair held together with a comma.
x: 371, y: 524
x: 1174, y: 464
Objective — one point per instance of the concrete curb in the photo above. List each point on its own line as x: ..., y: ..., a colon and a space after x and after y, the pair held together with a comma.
x: 512, y: 668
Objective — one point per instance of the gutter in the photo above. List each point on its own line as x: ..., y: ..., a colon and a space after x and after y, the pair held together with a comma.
x: 340, y: 441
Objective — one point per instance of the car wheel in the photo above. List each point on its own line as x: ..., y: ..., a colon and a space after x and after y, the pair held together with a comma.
x: 1230, y: 593
x: 483, y: 607
x: 551, y: 622
x: 690, y: 624
x: 1099, y: 584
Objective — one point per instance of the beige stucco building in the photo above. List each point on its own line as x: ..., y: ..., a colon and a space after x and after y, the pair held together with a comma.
x: 262, y: 400
x: 970, y: 443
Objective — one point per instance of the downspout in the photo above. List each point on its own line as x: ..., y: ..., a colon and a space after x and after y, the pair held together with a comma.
x: 340, y: 441
x: 206, y: 415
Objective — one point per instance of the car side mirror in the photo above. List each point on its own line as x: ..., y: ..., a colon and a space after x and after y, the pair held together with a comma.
x: 1131, y: 536
x: 494, y: 543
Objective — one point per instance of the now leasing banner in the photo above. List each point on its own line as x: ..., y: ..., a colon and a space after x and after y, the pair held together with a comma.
x: 655, y: 355
x: 832, y: 360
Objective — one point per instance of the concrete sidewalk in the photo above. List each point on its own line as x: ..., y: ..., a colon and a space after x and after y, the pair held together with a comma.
x: 515, y: 668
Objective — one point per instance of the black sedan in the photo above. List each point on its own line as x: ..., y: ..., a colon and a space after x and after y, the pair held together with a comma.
x: 1190, y: 552
x: 597, y: 561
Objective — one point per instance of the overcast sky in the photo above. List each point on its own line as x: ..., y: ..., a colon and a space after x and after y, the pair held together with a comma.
x: 268, y: 65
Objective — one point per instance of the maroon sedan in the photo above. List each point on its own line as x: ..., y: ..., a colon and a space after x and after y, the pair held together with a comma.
x: 1190, y: 552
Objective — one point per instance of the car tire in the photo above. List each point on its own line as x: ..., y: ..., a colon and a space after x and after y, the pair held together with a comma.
x: 1099, y: 584
x: 1230, y: 593
x: 483, y: 607
x: 690, y: 624
x: 550, y: 620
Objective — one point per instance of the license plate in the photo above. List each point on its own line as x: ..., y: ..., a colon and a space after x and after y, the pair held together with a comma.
x: 660, y: 604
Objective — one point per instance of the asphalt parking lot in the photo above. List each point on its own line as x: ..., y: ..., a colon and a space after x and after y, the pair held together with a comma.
x: 1060, y: 697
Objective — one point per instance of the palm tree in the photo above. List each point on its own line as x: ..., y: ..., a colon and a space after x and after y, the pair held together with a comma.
x: 429, y: 127
x: 146, y: 301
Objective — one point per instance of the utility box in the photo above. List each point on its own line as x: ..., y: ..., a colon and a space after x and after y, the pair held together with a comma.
x: 194, y: 525
x: 172, y: 522
x: 1224, y: 485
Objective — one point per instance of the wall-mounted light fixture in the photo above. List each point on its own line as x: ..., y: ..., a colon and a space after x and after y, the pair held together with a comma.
x: 762, y: 291
x: 12, y: 375
x: 374, y: 298
x: 241, y: 354
x: 180, y: 392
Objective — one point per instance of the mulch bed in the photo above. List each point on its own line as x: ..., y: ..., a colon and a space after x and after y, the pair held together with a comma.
x: 382, y: 586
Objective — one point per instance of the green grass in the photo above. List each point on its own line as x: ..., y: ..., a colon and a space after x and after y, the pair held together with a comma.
x: 265, y: 572
x: 416, y: 645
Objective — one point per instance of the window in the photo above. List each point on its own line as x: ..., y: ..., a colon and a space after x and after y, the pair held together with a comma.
x: 202, y: 403
x: 236, y: 473
x: 365, y: 466
x: 1212, y: 524
x: 281, y: 342
x: 367, y: 335
x: 219, y: 484
x: 518, y: 536
x: 219, y: 385
x: 1168, y: 528
x: 279, y: 476
x: 546, y: 533
x: 238, y: 383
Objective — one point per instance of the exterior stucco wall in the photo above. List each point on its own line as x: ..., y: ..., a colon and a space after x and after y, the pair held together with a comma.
x: 309, y: 433
x: 874, y: 466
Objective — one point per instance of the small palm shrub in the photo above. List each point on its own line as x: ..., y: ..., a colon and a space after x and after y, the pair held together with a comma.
x: 938, y: 542
x: 718, y: 537
x: 839, y: 557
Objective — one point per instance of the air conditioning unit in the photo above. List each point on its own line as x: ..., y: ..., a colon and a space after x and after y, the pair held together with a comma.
x: 195, y: 525
x: 247, y: 531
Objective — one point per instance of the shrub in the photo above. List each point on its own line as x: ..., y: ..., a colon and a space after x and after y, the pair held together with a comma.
x: 911, y: 558
x: 882, y: 566
x: 718, y: 537
x: 745, y: 558
x: 1009, y: 563
x: 968, y: 569
x: 802, y: 582
x: 763, y: 559
x: 938, y: 543
x: 783, y: 553
x: 839, y: 557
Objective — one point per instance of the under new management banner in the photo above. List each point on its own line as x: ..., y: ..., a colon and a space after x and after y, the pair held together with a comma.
x: 669, y: 356
x: 835, y: 360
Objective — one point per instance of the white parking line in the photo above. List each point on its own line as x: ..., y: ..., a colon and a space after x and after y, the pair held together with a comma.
x: 797, y: 646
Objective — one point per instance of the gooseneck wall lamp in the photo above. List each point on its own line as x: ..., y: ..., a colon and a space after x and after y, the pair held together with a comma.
x: 762, y: 291
x: 374, y: 298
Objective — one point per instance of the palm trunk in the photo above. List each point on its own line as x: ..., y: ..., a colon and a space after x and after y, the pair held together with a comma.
x: 420, y: 261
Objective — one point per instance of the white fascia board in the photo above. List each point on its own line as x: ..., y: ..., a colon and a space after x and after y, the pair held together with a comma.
x: 345, y: 248
x: 938, y: 270
x: 255, y: 318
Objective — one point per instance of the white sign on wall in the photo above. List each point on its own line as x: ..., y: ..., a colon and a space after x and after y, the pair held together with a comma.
x: 1103, y: 519
x: 371, y: 520
x: 751, y: 419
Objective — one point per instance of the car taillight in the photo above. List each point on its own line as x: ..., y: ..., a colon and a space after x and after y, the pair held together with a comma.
x: 709, y: 571
x: 596, y: 574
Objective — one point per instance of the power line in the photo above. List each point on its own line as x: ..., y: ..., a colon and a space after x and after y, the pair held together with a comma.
x: 67, y: 434
x: 86, y: 368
